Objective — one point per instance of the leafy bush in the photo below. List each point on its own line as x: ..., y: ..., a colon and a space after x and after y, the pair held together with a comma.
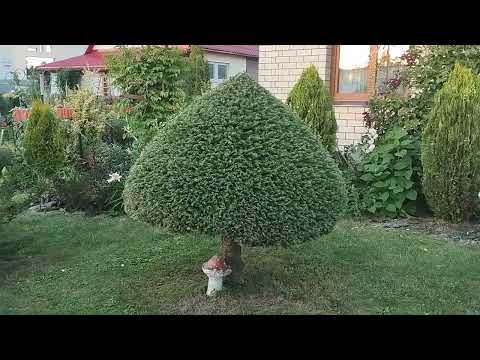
x: 88, y: 112
x: 7, y: 103
x: 349, y: 160
x: 43, y: 142
x: 84, y: 185
x: 18, y: 186
x: 388, y: 173
x: 67, y: 79
x: 196, y: 76
x: 428, y: 67
x: 26, y: 90
x: 6, y: 157
x: 451, y: 148
x: 310, y: 99
x: 238, y: 163
x: 153, y: 76
x: 114, y: 131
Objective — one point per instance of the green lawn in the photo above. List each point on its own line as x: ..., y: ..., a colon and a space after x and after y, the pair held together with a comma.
x: 71, y: 264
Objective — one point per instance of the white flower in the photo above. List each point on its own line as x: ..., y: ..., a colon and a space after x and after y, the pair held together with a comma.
x: 370, y: 148
x: 122, y: 265
x: 114, y: 177
x: 479, y: 194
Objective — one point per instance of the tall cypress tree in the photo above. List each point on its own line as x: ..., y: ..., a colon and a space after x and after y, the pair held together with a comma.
x: 451, y: 148
x: 310, y: 99
x: 43, y: 143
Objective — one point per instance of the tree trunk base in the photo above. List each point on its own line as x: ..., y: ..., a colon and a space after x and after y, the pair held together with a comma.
x: 231, y: 253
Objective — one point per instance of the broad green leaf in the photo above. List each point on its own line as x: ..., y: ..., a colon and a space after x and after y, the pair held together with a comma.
x: 391, y: 208
x: 411, y: 195
x: 367, y: 177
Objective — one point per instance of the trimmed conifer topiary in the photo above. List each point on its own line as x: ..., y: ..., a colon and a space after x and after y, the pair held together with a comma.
x: 451, y: 148
x: 236, y: 162
x: 310, y: 99
x: 43, y: 142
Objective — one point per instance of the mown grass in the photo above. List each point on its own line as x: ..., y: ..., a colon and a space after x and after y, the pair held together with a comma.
x: 72, y: 264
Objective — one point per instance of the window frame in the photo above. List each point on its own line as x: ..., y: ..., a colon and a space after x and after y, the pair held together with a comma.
x: 216, y: 81
x: 334, y: 75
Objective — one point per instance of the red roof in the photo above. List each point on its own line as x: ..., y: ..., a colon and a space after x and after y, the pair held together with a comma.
x: 94, y: 59
x: 91, y: 60
x: 243, y: 50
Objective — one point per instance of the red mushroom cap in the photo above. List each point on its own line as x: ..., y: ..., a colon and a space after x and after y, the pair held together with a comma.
x: 215, y: 263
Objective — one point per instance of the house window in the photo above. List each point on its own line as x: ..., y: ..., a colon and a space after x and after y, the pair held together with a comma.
x: 218, y: 72
x: 353, y: 72
x: 360, y: 71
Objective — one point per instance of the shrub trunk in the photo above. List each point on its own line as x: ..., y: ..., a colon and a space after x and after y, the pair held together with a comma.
x: 231, y: 253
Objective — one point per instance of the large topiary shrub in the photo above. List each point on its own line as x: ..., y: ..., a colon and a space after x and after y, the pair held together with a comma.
x: 239, y: 163
x: 43, y: 142
x: 310, y: 99
x: 451, y: 148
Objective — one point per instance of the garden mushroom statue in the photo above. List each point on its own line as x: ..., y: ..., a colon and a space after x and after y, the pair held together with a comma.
x: 216, y: 269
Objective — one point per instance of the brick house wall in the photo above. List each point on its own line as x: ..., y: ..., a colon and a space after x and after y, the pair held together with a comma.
x: 279, y: 68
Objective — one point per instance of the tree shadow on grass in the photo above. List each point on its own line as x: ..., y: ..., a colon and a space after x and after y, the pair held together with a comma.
x: 11, y: 258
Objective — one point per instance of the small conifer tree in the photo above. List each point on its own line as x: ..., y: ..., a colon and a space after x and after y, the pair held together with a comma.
x: 451, y: 148
x: 309, y: 98
x: 43, y: 143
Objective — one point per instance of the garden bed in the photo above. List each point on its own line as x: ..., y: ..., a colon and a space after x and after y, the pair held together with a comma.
x: 463, y: 234
x: 73, y: 264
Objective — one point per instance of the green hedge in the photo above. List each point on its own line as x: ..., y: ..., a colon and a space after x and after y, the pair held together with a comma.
x: 451, y: 148
x: 237, y: 162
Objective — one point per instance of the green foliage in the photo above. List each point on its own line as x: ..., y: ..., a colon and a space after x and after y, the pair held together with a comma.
x: 236, y: 162
x: 67, y: 79
x: 428, y: 68
x: 18, y: 186
x: 153, y: 75
x: 310, y: 99
x: 26, y: 90
x: 83, y: 184
x: 7, y: 103
x: 451, y: 148
x: 196, y: 77
x: 88, y: 112
x: 388, y: 173
x: 386, y: 112
x: 43, y: 142
x: 348, y: 162
x: 114, y: 131
x: 6, y: 157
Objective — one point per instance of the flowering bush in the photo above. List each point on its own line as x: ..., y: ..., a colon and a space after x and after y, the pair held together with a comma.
x: 96, y: 183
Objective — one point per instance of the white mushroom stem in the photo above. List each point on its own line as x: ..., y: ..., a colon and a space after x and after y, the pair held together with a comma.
x: 215, y: 279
